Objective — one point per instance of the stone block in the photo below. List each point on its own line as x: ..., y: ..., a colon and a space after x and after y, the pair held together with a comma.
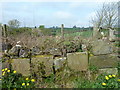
x: 59, y: 63
x: 112, y: 36
x: 44, y: 62
x: 21, y: 66
x: 5, y: 65
x: 104, y: 61
x: 108, y: 71
x: 100, y: 47
x: 78, y: 61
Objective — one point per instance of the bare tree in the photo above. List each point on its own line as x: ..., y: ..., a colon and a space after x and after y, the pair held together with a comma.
x: 97, y: 20
x: 14, y: 23
x: 106, y: 16
x: 111, y: 15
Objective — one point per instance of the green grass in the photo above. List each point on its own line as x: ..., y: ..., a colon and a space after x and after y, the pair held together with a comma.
x: 111, y: 82
x: 12, y: 79
x: 83, y: 34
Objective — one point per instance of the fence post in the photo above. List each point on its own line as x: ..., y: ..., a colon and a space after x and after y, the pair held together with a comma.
x: 5, y: 35
x: 62, y: 31
x: 30, y: 57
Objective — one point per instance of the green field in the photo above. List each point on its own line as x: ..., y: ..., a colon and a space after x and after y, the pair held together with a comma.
x: 83, y: 33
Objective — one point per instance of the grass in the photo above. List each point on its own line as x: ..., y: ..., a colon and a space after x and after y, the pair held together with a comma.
x: 12, y: 79
x: 83, y: 34
x: 103, y: 81
x: 82, y: 83
x: 93, y: 68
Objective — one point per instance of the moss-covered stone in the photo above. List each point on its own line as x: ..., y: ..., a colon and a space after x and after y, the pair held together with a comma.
x: 104, y: 61
x: 21, y: 66
x: 43, y: 63
x: 78, y: 61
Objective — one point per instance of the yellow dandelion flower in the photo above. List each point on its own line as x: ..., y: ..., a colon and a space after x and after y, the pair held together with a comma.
x: 28, y: 84
x: 26, y: 78
x: 114, y: 75
x: 14, y: 71
x: 8, y: 71
x: 106, y: 77
x: 3, y: 69
x: 103, y: 84
x: 23, y: 84
x: 14, y: 89
x: 3, y: 73
x: 118, y: 80
x: 0, y: 79
x: 110, y: 76
x: 33, y: 80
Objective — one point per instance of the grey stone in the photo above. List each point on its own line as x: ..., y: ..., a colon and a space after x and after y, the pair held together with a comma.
x: 108, y: 71
x: 101, y: 47
x: 35, y: 50
x: 95, y: 30
x: 21, y: 66
x: 97, y: 33
x: 84, y: 47
x: 104, y: 61
x: 19, y: 51
x: 112, y: 36
x: 43, y: 60
x: 78, y: 61
x: 53, y: 51
x: 116, y: 32
x: 24, y: 52
x: 59, y: 63
x: 5, y: 46
x: 5, y: 64
x: 14, y: 51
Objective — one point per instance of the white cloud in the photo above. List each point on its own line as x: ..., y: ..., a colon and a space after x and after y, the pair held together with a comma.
x: 1, y: 12
x: 24, y: 7
x: 75, y: 4
x: 59, y: 0
x: 62, y: 15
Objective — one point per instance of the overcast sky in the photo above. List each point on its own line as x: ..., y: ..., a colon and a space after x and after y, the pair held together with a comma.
x: 49, y: 13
